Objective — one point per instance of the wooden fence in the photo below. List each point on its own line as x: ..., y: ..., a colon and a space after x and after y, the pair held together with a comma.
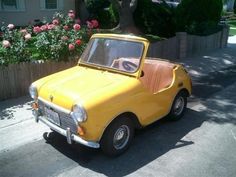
x: 186, y: 45
x: 16, y: 78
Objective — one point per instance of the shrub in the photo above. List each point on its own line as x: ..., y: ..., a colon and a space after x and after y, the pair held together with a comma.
x: 104, y: 11
x: 94, y: 6
x: 154, y: 18
x: 234, y: 7
x: 62, y: 39
x: 15, y: 44
x: 198, y: 17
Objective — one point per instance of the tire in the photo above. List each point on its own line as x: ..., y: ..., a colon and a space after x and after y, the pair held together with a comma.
x: 117, y: 137
x: 178, y: 107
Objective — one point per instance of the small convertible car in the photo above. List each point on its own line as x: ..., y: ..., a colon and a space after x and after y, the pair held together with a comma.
x: 113, y: 90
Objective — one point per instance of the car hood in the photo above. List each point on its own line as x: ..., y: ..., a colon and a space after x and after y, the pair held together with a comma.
x: 73, y: 85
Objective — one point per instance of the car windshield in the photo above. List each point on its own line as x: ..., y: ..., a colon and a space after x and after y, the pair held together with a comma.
x: 116, y: 54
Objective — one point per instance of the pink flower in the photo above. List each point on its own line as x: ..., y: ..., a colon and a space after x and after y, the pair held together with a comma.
x: 76, y: 27
x: 6, y: 43
x: 64, y: 38
x: 10, y: 26
x: 27, y: 36
x: 71, y: 14
x: 95, y: 23
x: 51, y: 26
x: 23, y: 31
x: 44, y: 27
x: 37, y: 29
x: 71, y: 47
x: 66, y: 27
x: 89, y: 25
x: 78, y: 42
x: 55, y: 22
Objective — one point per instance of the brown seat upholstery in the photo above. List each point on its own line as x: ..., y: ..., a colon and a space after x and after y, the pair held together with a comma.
x: 157, y: 75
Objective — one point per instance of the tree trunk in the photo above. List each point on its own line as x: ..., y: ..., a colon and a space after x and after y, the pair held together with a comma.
x: 125, y: 10
x: 230, y: 5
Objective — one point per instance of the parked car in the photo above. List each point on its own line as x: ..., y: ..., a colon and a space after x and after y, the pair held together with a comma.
x: 112, y: 91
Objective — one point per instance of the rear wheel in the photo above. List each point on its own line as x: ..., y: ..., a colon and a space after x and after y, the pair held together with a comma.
x: 118, y: 136
x: 179, y: 106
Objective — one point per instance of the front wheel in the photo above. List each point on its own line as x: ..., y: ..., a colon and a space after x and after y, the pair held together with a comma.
x: 178, y: 107
x: 118, y: 136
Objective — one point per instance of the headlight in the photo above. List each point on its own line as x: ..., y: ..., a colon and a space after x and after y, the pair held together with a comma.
x: 33, y: 91
x: 78, y: 113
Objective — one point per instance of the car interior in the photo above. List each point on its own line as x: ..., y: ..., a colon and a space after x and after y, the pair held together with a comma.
x: 156, y: 74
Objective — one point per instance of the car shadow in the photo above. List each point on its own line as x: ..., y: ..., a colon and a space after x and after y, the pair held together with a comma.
x: 149, y: 144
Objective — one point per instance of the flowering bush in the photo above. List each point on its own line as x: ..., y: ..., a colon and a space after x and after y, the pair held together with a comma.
x: 62, y: 39
x: 14, y: 45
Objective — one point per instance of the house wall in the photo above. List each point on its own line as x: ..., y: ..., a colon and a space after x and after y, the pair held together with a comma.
x: 32, y: 12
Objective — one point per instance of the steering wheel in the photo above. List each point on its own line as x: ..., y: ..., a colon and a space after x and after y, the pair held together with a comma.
x: 129, y: 66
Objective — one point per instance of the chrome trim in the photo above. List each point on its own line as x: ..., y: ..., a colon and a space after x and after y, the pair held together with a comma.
x: 80, y: 105
x: 70, y: 136
x: 36, y: 115
x: 54, y: 106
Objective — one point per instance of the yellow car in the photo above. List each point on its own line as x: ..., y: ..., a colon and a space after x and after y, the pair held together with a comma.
x: 113, y: 90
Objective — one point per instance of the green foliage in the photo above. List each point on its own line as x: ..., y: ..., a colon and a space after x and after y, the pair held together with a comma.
x: 18, y: 49
x: 108, y: 18
x: 62, y: 39
x: 154, y: 18
x: 104, y: 11
x: 94, y: 6
x: 234, y: 7
x: 198, y: 17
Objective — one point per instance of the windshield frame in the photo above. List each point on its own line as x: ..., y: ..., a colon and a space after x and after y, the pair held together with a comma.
x: 139, y: 40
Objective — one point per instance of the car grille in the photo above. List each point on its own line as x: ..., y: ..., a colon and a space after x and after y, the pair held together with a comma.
x: 65, y: 119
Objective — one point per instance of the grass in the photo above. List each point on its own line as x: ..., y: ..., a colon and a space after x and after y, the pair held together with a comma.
x: 232, y: 32
x: 232, y: 23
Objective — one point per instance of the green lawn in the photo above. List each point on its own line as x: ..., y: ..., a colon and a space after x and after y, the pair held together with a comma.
x: 232, y: 32
x: 232, y: 24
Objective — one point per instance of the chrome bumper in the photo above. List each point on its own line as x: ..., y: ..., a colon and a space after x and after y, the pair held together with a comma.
x: 67, y: 133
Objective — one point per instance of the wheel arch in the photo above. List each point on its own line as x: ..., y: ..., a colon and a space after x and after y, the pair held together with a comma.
x: 185, y: 91
x: 130, y: 115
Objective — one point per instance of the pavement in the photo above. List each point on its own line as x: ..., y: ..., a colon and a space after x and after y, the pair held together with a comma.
x: 203, y: 143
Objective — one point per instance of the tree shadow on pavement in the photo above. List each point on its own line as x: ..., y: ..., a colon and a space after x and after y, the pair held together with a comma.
x: 215, y: 60
x: 205, y: 86
x: 9, y: 107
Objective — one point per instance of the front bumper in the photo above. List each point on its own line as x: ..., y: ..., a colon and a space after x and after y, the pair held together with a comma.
x: 67, y: 133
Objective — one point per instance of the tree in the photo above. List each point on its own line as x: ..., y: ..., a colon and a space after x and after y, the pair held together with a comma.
x: 125, y: 10
x: 230, y: 5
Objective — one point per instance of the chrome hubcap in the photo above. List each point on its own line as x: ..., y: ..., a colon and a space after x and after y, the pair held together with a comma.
x: 179, y: 106
x: 121, y: 137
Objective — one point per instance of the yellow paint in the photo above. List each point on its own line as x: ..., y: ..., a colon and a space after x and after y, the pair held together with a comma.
x: 106, y: 94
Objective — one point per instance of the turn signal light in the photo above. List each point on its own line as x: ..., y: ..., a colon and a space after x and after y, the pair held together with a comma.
x: 80, y: 131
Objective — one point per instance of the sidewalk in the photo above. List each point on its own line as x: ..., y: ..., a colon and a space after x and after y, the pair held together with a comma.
x: 16, y: 113
x: 212, y: 61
